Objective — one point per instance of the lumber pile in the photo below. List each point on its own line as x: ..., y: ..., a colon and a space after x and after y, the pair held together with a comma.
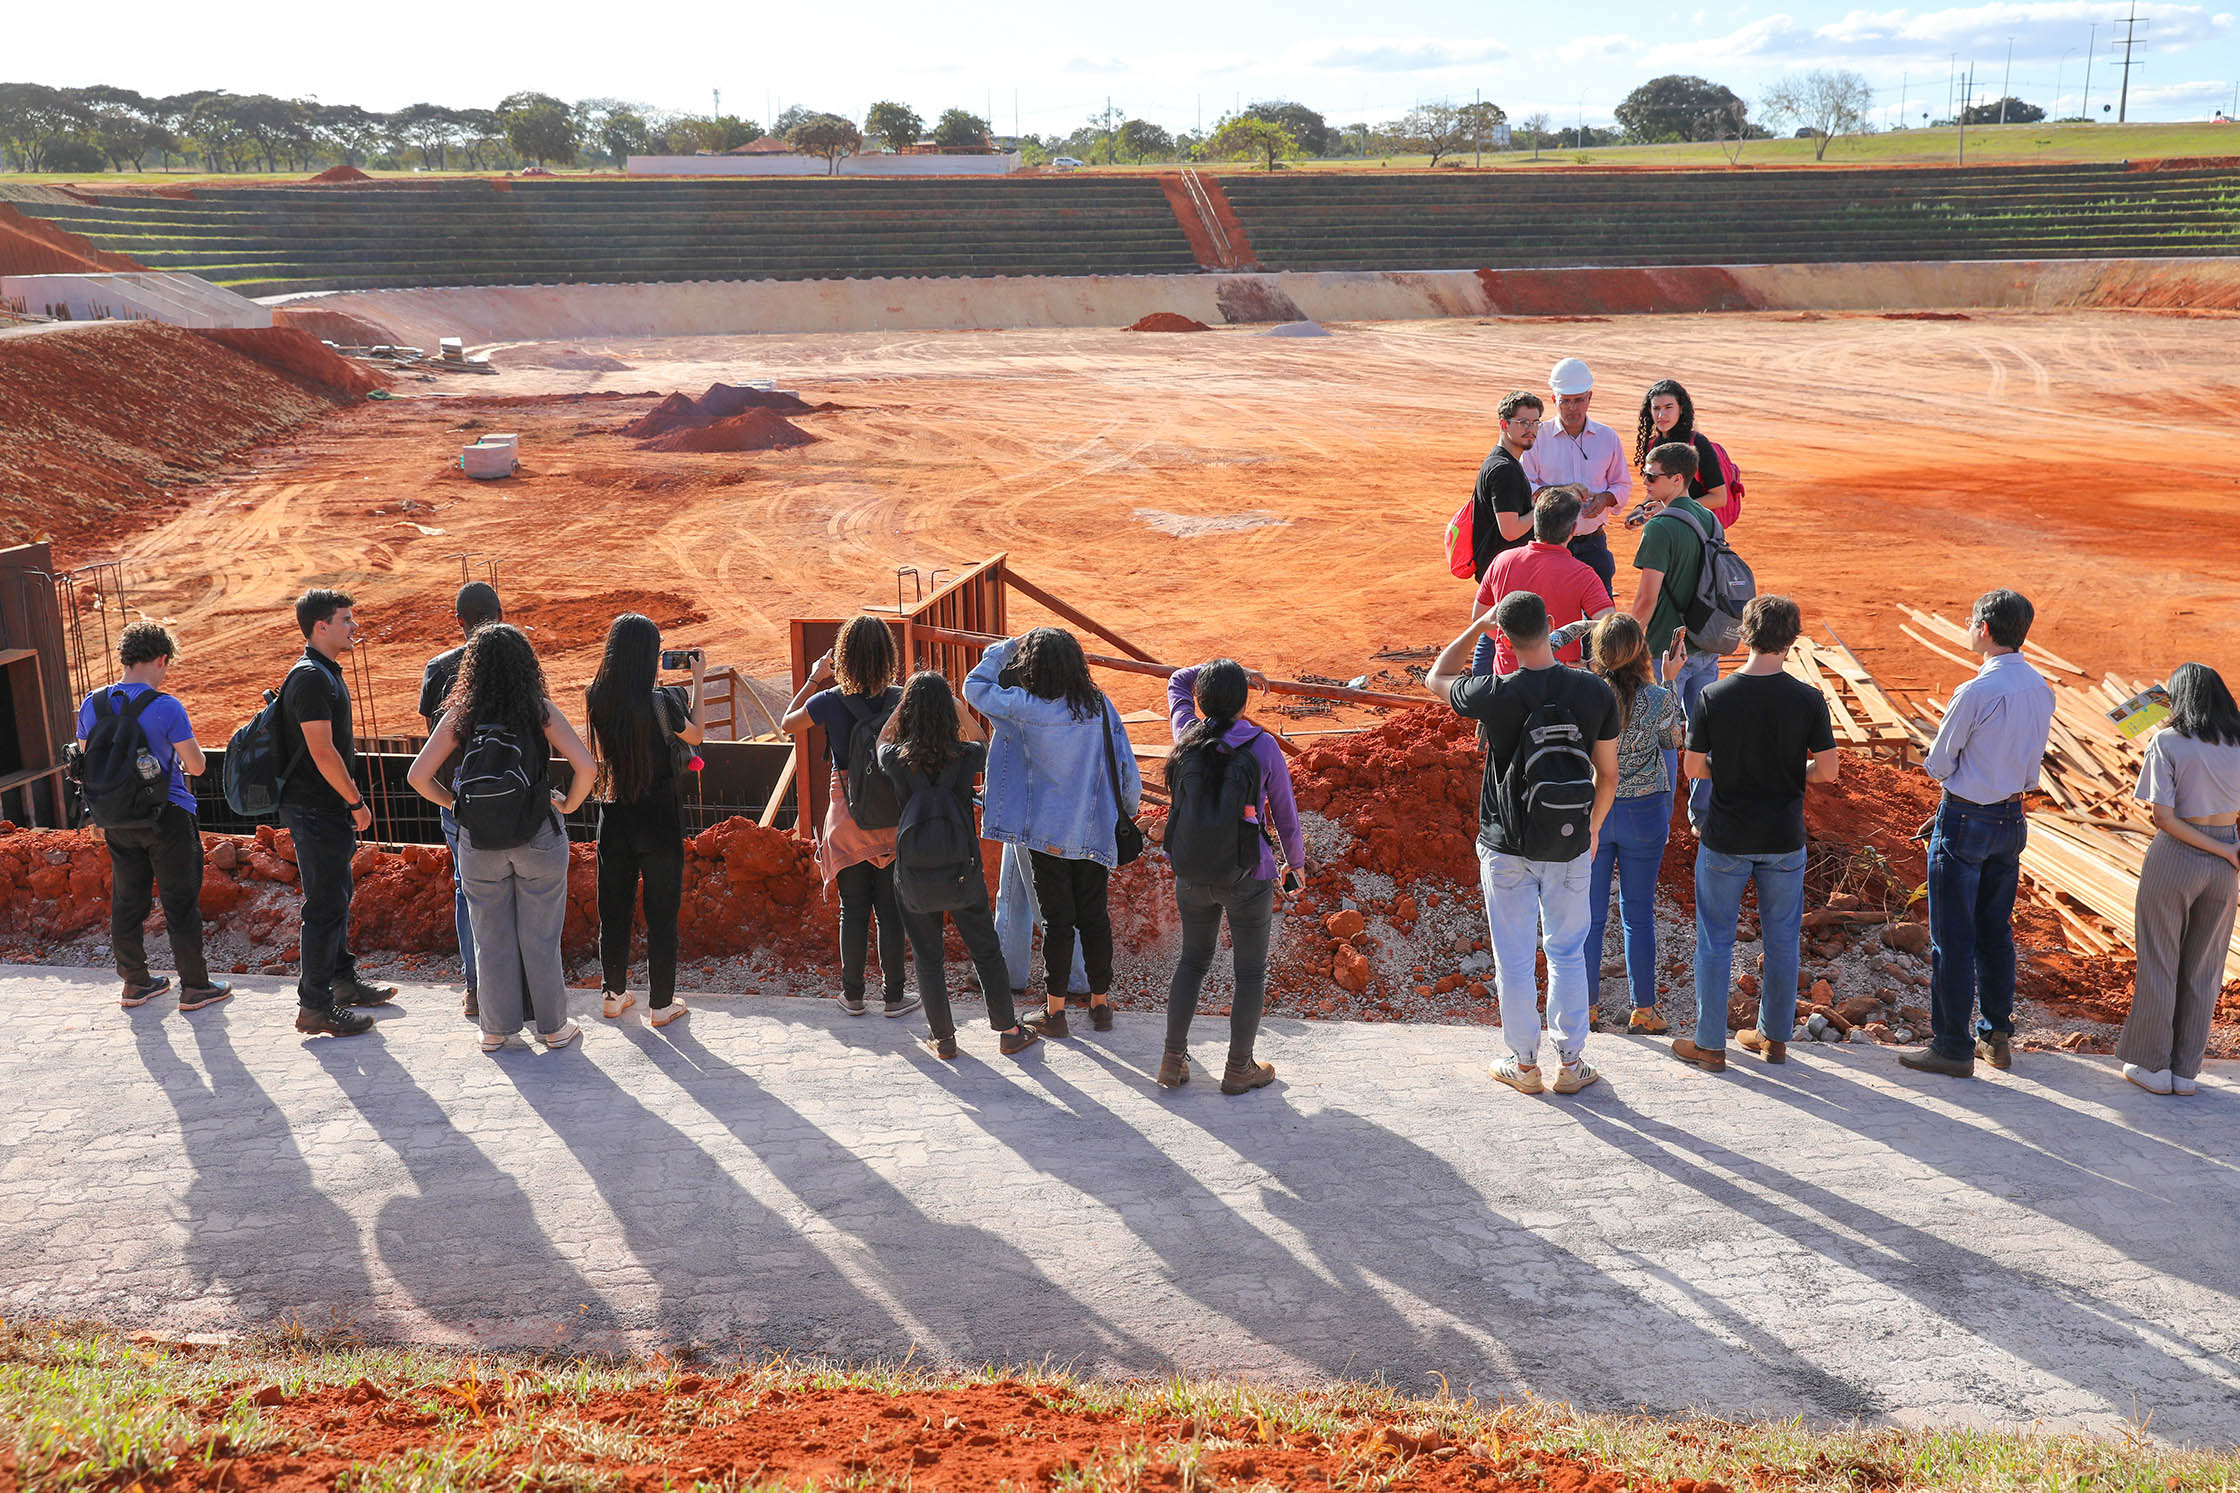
x: 2085, y: 853
x: 1863, y: 714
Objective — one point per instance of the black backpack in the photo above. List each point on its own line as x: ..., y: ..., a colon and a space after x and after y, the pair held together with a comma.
x: 872, y: 801
x: 500, y: 794
x: 1546, y: 794
x: 257, y: 764
x: 125, y: 787
x: 1724, y: 586
x: 937, y: 850
x: 1209, y: 837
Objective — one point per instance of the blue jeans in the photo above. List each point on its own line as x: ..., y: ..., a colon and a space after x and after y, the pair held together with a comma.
x: 1549, y: 899
x: 1017, y: 912
x: 1632, y: 845
x: 1975, y: 853
x: 1720, y: 879
x: 1698, y: 674
x: 459, y: 898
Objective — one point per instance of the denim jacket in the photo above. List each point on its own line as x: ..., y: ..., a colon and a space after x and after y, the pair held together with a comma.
x: 1047, y: 787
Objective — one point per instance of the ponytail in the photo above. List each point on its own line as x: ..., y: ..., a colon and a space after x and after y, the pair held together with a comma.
x: 1222, y: 692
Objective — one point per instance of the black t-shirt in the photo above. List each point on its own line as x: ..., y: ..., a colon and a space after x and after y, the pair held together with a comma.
x: 1502, y: 702
x: 436, y: 681
x: 1759, y: 730
x: 1708, y: 474
x: 829, y: 709
x: 315, y: 693
x: 1503, y: 487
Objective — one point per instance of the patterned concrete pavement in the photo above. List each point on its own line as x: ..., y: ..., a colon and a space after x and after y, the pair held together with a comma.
x: 1836, y: 1237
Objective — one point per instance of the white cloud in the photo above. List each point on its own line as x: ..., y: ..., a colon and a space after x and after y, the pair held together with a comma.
x: 1590, y: 48
x: 1095, y: 65
x: 1400, y: 54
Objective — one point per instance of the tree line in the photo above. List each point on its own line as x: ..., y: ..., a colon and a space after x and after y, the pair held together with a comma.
x: 107, y: 128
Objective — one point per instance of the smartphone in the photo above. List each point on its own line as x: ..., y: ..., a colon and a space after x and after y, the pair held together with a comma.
x: 678, y: 658
x: 1290, y: 879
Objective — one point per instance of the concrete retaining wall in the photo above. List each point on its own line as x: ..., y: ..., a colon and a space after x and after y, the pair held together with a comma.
x: 180, y: 300
x: 702, y: 308
x: 879, y: 163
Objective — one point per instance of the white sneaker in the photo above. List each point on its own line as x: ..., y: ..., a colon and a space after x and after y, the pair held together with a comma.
x: 554, y: 1041
x: 2153, y: 1080
x: 2180, y: 1084
x: 1574, y: 1076
x: 1518, y: 1075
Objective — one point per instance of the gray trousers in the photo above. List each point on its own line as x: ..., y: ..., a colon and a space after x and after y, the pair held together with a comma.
x: 2186, y: 902
x: 517, y: 901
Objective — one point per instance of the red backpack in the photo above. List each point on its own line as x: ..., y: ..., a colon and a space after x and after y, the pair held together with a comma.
x: 1726, y: 513
x: 1462, y: 541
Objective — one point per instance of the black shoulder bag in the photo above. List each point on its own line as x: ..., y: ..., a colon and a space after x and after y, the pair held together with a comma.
x: 1126, y: 836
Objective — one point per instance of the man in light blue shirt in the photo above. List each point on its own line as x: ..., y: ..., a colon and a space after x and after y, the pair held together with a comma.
x: 1987, y: 754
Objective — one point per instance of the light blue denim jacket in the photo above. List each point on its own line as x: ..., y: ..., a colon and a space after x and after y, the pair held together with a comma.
x: 1047, y: 786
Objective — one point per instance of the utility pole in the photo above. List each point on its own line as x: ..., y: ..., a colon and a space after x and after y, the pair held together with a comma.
x: 1967, y: 91
x: 719, y: 102
x: 2130, y: 35
x: 2092, y: 39
x: 2004, y: 79
x: 1477, y: 146
x: 1951, y: 75
x: 1901, y: 100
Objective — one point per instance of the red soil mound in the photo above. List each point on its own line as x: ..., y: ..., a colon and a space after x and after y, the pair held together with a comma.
x: 335, y: 175
x: 294, y: 353
x: 721, y: 402
x: 104, y: 420
x: 726, y: 400
x: 1407, y: 790
x: 338, y: 327
x: 34, y: 246
x: 677, y: 412
x: 1168, y: 321
x: 756, y: 430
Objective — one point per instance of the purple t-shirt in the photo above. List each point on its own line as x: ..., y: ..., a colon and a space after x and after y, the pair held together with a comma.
x: 163, y: 723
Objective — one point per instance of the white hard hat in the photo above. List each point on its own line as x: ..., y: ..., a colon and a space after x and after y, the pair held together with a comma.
x: 1571, y: 376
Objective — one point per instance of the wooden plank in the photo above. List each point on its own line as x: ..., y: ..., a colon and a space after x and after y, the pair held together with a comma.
x: 1337, y: 692
x: 776, y: 802
x: 1803, y: 663
x: 1074, y: 615
x: 1970, y: 664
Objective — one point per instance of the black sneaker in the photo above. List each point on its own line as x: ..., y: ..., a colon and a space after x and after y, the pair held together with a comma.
x: 195, y: 997
x: 356, y: 992
x: 1047, y: 1023
x: 1018, y: 1040
x: 313, y: 1022
x: 140, y: 995
x: 944, y: 1048
x: 1100, y: 1015
x: 901, y: 1005
x: 852, y: 1003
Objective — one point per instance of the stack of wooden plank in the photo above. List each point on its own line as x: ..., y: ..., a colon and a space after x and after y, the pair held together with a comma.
x: 1863, y: 714
x: 2084, y: 856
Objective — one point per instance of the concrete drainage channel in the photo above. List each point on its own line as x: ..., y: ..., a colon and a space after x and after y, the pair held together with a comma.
x: 490, y: 314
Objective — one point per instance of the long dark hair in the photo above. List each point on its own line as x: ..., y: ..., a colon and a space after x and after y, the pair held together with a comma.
x: 2201, y: 707
x: 1221, y: 690
x: 1683, y: 430
x: 500, y: 683
x: 624, y: 728
x: 1619, y: 652
x: 1052, y: 667
x: 923, y: 729
x: 863, y: 656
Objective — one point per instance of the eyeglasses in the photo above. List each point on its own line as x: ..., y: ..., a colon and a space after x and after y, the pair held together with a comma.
x: 1526, y: 424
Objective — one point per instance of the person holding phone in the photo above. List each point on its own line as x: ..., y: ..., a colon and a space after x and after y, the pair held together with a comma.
x: 1222, y: 766
x: 641, y: 736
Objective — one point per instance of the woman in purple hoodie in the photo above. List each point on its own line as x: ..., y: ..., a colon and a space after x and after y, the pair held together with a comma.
x: 1229, y: 783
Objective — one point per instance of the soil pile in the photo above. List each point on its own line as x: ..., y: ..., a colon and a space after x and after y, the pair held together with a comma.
x: 756, y: 430
x: 295, y: 354
x: 339, y: 327
x: 35, y: 246
x: 338, y: 175
x: 725, y: 400
x: 677, y: 412
x: 106, y: 420
x: 1168, y: 321
x: 1406, y: 791
x: 680, y: 412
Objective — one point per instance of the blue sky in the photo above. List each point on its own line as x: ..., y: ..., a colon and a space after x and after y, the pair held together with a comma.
x: 1167, y: 61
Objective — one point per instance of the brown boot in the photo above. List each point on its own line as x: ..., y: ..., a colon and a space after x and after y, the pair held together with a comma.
x: 1236, y: 1080
x: 1709, y: 1059
x: 1174, y: 1070
x: 1764, y: 1046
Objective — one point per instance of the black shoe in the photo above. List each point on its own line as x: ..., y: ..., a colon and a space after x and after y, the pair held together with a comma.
x: 1018, y: 1040
x: 1048, y: 1023
x: 944, y: 1048
x: 471, y: 1007
x: 356, y: 992
x: 1929, y: 1060
x: 1997, y: 1049
x: 195, y: 997
x: 901, y: 1005
x: 313, y: 1022
x: 1100, y: 1015
x: 140, y: 995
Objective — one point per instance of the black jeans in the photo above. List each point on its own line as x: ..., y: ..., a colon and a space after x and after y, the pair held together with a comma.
x: 167, y: 854
x: 325, y: 840
x: 867, y: 892
x: 642, y: 841
x: 1073, y: 898
x: 977, y: 927
x: 1250, y: 904
x: 1594, y: 549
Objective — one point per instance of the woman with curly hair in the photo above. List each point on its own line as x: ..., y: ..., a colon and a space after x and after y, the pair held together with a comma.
x: 859, y: 861
x: 639, y: 731
x: 924, y: 754
x: 1061, y: 773
x: 1668, y: 414
x: 513, y: 849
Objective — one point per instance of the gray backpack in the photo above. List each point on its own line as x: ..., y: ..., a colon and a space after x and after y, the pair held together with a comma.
x: 1724, y: 586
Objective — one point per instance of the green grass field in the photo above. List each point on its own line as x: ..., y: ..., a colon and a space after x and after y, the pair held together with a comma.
x: 83, y: 1407
x: 1986, y: 145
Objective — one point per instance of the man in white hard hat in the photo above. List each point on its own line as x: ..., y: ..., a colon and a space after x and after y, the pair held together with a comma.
x: 1587, y: 453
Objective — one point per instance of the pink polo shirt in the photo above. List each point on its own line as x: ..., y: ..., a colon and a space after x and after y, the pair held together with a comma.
x: 1566, y: 583
x: 1594, y: 459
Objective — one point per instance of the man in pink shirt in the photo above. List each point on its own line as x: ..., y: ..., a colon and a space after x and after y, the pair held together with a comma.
x: 1585, y: 453
x: 1545, y: 566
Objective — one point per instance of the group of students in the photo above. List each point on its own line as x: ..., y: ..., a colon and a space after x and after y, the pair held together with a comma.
x: 1582, y: 767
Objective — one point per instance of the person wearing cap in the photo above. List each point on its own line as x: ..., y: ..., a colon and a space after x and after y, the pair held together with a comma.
x: 476, y: 605
x: 1585, y: 453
